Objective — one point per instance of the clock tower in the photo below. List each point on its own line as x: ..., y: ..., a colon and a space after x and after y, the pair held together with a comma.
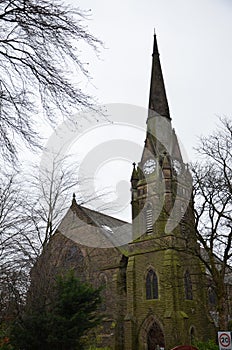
x: 166, y: 290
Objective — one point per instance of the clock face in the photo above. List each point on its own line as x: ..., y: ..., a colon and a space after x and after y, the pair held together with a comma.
x: 177, y: 166
x: 149, y: 166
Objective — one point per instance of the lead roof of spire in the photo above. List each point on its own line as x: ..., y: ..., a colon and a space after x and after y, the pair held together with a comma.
x: 158, y: 100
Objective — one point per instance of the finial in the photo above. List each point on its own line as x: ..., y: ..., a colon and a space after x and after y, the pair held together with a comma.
x: 134, y: 176
x: 74, y: 198
x: 155, y: 46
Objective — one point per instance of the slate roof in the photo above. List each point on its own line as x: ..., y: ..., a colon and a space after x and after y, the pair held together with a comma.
x: 93, y: 228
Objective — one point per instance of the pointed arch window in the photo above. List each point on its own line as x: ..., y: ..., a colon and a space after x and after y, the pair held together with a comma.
x: 102, y: 282
x: 192, y: 335
x: 212, y: 297
x: 188, y: 286
x: 149, y: 219
x: 151, y: 285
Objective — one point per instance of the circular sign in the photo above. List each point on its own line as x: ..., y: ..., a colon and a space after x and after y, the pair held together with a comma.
x: 224, y: 340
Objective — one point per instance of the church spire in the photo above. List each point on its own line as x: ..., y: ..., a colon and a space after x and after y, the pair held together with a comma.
x: 158, y: 99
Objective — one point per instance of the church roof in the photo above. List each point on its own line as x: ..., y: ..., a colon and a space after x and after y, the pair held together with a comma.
x: 92, y: 228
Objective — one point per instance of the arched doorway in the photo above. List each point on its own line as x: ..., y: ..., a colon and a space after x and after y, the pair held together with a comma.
x: 155, y: 337
x: 151, y: 335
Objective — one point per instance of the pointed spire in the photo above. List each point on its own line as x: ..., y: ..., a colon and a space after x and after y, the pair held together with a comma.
x: 158, y: 99
x: 74, y: 199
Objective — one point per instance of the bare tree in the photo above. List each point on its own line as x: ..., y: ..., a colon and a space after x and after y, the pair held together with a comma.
x: 51, y: 189
x: 30, y: 210
x: 13, y: 288
x: 14, y: 262
x: 32, y: 206
x: 13, y: 221
x: 213, y: 210
x: 39, y: 65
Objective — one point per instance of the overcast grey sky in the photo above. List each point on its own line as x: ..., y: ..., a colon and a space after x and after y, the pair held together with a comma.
x: 194, y: 39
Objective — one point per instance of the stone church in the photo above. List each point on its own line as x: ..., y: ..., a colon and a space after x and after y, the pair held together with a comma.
x: 155, y: 291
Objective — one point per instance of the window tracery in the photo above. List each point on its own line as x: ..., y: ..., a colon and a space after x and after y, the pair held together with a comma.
x: 188, y: 286
x: 151, y: 285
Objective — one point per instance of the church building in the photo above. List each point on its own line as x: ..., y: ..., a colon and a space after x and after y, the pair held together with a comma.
x: 155, y: 290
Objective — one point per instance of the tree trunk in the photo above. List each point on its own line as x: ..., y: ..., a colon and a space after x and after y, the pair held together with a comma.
x: 222, y: 308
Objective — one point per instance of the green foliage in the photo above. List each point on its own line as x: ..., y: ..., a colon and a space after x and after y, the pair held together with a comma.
x: 62, y: 323
x: 94, y: 348
x: 209, y: 345
x: 6, y: 346
x: 229, y: 325
x: 4, y: 337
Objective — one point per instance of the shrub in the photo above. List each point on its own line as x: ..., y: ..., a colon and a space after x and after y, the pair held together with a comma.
x: 209, y: 345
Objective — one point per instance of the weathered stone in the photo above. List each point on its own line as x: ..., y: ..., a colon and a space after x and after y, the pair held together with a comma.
x: 162, y: 239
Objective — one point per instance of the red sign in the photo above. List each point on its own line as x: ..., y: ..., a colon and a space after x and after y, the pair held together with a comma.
x: 224, y: 340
